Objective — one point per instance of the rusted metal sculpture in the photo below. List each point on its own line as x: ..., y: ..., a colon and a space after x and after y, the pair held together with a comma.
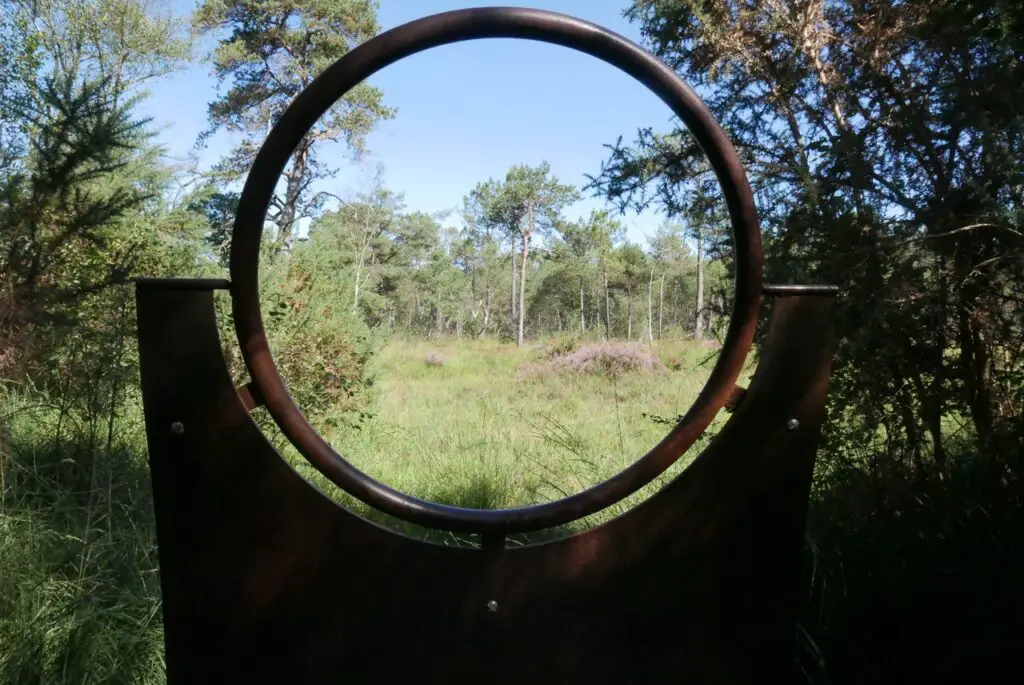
x: 266, y: 580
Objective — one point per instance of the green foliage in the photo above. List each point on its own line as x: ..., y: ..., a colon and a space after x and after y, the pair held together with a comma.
x: 883, y: 142
x: 271, y: 51
x: 633, y: 261
x: 72, y: 214
x: 901, y: 184
x: 321, y: 346
x: 561, y: 347
x: 219, y: 209
x: 82, y: 210
x: 275, y: 49
x: 128, y: 42
x: 527, y: 203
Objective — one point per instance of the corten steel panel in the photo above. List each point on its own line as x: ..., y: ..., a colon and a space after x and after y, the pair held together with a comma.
x: 266, y: 580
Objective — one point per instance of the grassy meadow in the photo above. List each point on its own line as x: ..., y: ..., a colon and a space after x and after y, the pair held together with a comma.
x: 485, y: 424
x: 471, y: 423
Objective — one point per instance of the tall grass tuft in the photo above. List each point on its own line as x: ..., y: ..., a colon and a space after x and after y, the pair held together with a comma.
x: 79, y: 591
x: 913, y: 576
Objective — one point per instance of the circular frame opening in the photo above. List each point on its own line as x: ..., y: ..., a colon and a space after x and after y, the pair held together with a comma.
x: 404, y: 41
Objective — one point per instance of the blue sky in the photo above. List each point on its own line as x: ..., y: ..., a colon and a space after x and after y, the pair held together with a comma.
x: 466, y: 112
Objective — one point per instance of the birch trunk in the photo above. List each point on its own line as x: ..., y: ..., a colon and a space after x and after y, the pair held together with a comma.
x: 698, y: 328
x: 661, y: 307
x: 650, y: 309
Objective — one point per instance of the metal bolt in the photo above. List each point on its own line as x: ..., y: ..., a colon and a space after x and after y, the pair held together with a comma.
x: 492, y: 606
x: 178, y: 428
x: 792, y: 424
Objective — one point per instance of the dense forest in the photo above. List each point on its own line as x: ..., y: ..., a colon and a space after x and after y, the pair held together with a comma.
x: 884, y: 142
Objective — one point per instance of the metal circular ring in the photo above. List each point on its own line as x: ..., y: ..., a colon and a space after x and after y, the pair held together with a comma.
x: 443, y: 29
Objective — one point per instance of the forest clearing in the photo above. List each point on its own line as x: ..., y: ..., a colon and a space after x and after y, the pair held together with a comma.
x: 486, y: 424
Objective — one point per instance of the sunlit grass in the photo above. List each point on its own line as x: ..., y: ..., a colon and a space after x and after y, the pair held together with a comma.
x: 468, y: 423
x: 79, y: 591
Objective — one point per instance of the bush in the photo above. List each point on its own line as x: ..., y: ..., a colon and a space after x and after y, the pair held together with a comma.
x: 604, y: 359
x: 677, y: 363
x: 561, y: 347
x: 322, y: 349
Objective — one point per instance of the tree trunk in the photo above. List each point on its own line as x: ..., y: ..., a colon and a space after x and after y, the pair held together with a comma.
x: 935, y: 407
x: 364, y: 247
x: 355, y: 295
x: 487, y: 313
x: 294, y: 183
x: 629, y: 326
x: 910, y: 427
x: 975, y: 367
x: 698, y: 328
x: 661, y: 307
x: 932, y: 414
x: 522, y: 285
x: 607, y: 308
x: 583, y: 320
x: 676, y: 307
x: 512, y: 321
x: 650, y: 309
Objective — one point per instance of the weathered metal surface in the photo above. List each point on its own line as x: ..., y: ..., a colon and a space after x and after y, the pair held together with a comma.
x: 183, y: 283
x: 410, y: 39
x: 783, y: 290
x: 266, y: 580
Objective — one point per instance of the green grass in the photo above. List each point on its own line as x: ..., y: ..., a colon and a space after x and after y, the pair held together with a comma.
x: 79, y: 588
x: 481, y: 430
x: 79, y: 591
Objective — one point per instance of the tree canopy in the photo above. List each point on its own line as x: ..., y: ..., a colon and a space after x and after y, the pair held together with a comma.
x: 271, y: 51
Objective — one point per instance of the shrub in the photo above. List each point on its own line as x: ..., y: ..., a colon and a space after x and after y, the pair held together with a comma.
x: 677, y: 363
x: 604, y: 359
x: 561, y: 347
x: 322, y: 349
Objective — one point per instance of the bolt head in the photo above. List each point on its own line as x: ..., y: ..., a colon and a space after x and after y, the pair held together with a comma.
x: 178, y: 428
x: 792, y: 424
x: 492, y: 606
